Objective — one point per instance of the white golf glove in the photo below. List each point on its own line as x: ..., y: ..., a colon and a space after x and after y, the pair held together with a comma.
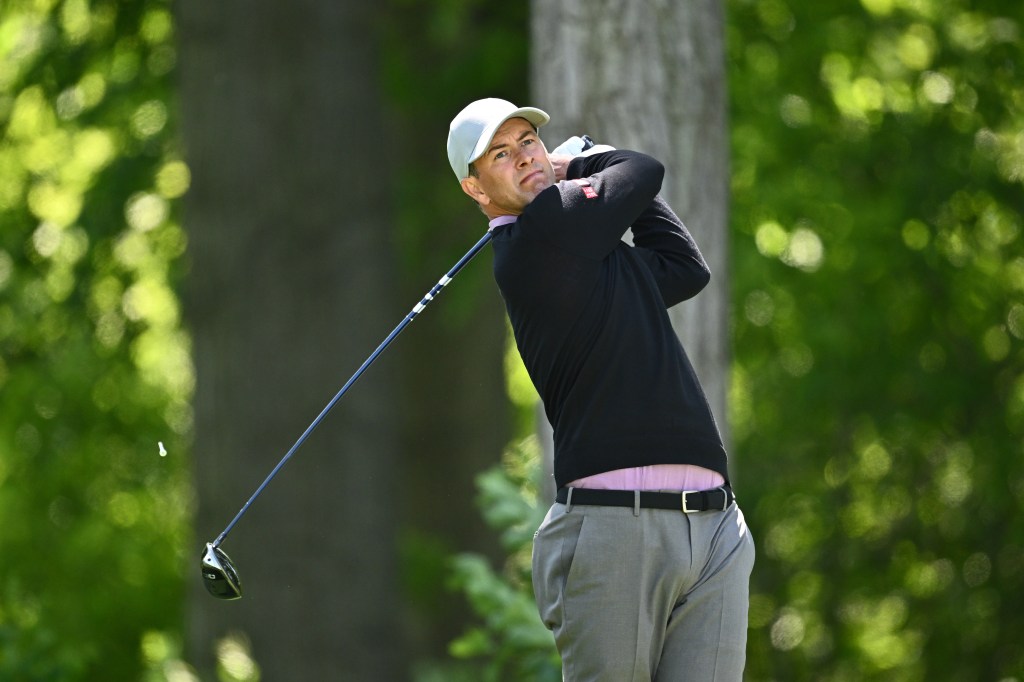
x: 580, y: 146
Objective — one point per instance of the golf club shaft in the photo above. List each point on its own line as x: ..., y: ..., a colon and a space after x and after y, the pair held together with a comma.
x: 441, y: 284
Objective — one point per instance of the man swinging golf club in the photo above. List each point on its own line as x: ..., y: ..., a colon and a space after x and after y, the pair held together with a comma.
x: 641, y: 567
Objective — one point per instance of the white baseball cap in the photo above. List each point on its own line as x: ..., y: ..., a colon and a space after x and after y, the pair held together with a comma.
x: 471, y: 131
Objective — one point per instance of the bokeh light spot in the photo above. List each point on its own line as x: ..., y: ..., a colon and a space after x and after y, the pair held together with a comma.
x: 797, y: 359
x: 771, y: 239
x: 795, y: 111
x: 1014, y: 319
x: 787, y: 631
x: 54, y: 203
x: 937, y: 88
x: 996, y: 343
x: 234, y: 659
x: 149, y: 119
x: 875, y: 461
x: 955, y: 485
x: 878, y: 7
x: 123, y: 509
x: 977, y: 569
x: 46, y: 239
x: 145, y: 211
x: 917, y: 47
x: 93, y: 87
x: 804, y: 250
x: 759, y: 307
x: 173, y: 179
x: 156, y: 26
x: 916, y: 235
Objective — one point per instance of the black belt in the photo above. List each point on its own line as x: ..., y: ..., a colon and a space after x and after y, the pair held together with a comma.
x: 688, y: 501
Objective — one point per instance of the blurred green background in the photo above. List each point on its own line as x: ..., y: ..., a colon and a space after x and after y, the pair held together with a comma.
x: 876, y: 397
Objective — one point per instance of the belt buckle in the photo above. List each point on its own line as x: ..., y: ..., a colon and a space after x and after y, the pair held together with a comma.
x: 725, y: 501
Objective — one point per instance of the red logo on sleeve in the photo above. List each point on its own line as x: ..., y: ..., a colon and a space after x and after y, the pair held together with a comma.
x: 588, y: 191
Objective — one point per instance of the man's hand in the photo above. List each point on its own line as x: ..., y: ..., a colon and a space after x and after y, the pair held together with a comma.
x: 561, y: 155
x: 575, y: 146
x: 560, y: 162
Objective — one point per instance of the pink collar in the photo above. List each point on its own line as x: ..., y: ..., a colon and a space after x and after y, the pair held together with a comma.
x: 501, y: 220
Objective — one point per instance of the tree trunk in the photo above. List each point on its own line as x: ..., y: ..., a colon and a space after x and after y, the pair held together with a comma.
x: 288, y: 220
x: 649, y: 75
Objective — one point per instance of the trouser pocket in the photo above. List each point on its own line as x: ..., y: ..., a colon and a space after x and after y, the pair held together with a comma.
x: 554, y: 547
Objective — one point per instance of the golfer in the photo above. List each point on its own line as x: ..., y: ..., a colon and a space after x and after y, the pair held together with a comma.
x: 641, y: 567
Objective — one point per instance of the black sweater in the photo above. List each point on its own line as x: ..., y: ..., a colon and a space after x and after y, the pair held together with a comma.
x: 589, y: 314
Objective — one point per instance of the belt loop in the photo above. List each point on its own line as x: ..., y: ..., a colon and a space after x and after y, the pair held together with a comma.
x: 568, y: 500
x: 636, y: 503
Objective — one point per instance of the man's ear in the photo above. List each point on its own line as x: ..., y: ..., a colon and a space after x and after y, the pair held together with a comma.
x: 471, y: 186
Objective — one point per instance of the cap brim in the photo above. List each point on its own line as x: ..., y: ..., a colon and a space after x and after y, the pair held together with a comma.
x: 535, y: 116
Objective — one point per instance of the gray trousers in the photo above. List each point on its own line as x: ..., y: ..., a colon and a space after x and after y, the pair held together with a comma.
x: 657, y: 596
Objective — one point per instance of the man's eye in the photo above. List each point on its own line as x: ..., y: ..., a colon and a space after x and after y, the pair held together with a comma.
x: 500, y: 155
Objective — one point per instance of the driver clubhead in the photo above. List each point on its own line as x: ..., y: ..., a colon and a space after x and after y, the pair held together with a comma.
x: 219, y: 574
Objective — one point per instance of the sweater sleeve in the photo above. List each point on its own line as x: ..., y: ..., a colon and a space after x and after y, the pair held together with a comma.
x: 590, y: 211
x: 662, y: 241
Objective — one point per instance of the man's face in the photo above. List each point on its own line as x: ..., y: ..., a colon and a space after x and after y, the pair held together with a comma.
x: 512, y: 172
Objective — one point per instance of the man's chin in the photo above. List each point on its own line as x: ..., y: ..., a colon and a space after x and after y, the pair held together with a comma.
x: 535, y: 185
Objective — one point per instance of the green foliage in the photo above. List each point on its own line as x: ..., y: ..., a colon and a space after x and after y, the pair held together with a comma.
x: 94, y: 365
x: 878, y: 297
x: 163, y: 659
x: 511, y: 638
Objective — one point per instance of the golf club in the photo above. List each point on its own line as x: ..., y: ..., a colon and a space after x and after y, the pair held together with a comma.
x: 219, y: 573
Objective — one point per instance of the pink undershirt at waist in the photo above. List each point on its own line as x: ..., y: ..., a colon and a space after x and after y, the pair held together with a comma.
x: 653, y: 477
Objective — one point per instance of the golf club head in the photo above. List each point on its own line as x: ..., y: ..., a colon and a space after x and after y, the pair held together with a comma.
x: 219, y: 574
